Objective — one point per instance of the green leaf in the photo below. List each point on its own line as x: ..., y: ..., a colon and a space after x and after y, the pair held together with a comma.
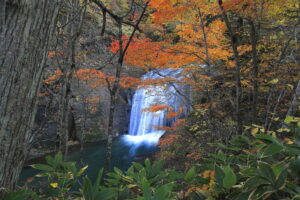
x: 296, y: 197
x: 58, y: 157
x: 229, y: 179
x: 253, y: 182
x: 158, y: 166
x: 138, y: 166
x: 20, y: 195
x: 281, y: 180
x: 190, y: 175
x: 105, y: 194
x: 240, y: 140
x: 265, y: 138
x: 292, y: 188
x: 98, y: 179
x: 278, y: 168
x: 164, y: 190
x: 262, y: 192
x: 251, y: 171
x: 50, y: 160
x: 146, y: 189
x: 266, y: 171
x: 87, y: 190
x: 148, y: 164
x: 219, y: 177
x: 173, y: 175
x: 43, y: 167
x: 288, y: 119
x: 272, y: 149
x: 118, y: 171
x: 292, y: 151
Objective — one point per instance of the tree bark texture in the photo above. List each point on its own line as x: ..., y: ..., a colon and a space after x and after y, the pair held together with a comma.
x: 25, y: 32
x: 234, y: 46
x: 113, y: 100
x: 295, y: 103
x: 255, y: 68
x: 67, y: 42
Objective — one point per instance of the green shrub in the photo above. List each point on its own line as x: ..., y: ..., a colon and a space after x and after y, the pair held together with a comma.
x: 61, y: 176
x: 259, y: 167
x: 255, y: 167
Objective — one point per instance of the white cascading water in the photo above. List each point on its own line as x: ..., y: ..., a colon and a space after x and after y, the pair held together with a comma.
x: 143, y: 125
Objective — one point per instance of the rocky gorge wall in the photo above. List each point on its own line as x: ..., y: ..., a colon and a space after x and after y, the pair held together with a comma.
x: 90, y: 106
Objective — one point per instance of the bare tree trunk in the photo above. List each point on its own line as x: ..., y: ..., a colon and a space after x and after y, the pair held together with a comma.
x: 74, y: 22
x: 113, y: 98
x: 234, y: 46
x: 202, y: 25
x: 26, y: 29
x: 253, y: 35
x: 113, y: 89
x: 109, y: 141
x: 295, y: 103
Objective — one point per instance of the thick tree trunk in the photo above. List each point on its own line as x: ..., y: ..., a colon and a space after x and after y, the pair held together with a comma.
x: 26, y: 31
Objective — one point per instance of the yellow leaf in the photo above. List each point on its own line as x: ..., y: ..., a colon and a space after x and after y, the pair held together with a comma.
x: 254, y: 131
x: 274, y: 81
x: 131, y: 186
x: 82, y: 170
x: 290, y: 142
x: 290, y: 86
x: 54, y: 185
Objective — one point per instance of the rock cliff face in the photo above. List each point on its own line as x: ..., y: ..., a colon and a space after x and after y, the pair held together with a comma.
x: 91, y: 117
x: 90, y: 107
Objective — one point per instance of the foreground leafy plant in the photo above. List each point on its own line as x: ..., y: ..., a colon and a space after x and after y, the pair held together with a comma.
x: 139, y: 182
x: 61, y: 176
x: 94, y: 191
x: 259, y: 167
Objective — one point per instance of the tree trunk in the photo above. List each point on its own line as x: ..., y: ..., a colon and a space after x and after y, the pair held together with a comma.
x: 73, y: 27
x: 113, y: 93
x: 254, y: 36
x: 113, y: 89
x: 26, y: 31
x: 109, y: 141
x: 234, y: 46
x: 295, y: 103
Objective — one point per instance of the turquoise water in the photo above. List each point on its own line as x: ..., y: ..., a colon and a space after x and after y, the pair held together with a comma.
x: 94, y: 156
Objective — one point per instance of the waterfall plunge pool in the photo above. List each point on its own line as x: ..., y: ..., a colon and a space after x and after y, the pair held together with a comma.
x: 124, y: 153
x: 143, y: 132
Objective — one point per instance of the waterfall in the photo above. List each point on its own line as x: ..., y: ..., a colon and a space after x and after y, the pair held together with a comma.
x: 143, y: 124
